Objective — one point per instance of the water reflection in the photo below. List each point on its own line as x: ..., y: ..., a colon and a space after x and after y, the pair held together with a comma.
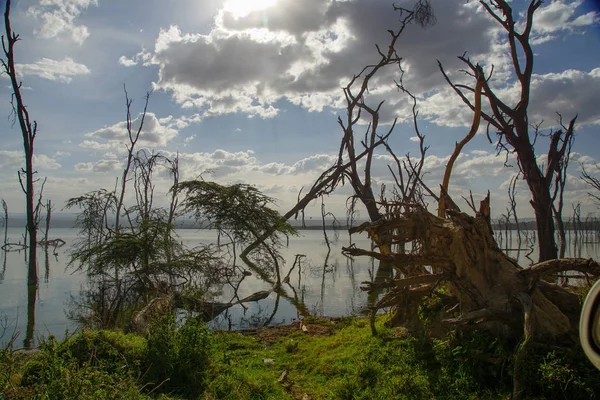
x: 31, y: 298
x: 315, y: 281
x: 3, y: 271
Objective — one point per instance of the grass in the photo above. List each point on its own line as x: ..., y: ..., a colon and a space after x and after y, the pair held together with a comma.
x: 334, y: 360
x: 345, y: 362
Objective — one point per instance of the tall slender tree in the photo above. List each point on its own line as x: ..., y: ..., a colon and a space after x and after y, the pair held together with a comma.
x: 29, y: 131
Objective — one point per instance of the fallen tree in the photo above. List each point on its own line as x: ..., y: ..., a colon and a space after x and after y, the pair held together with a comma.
x: 488, y: 288
x: 206, y: 311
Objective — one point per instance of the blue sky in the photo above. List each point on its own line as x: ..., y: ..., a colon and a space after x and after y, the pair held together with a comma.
x: 251, y: 89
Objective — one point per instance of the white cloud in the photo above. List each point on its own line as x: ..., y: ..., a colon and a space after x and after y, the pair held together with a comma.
x: 61, y: 71
x: 141, y: 58
x: 305, y: 52
x: 156, y: 133
x: 16, y: 159
x: 126, y: 61
x: 305, y: 56
x: 43, y: 162
x: 94, y: 145
x: 570, y: 93
x: 102, y: 166
x: 560, y: 15
x: 57, y: 19
x: 188, y: 139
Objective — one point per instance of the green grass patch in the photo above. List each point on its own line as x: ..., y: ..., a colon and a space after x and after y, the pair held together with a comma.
x: 334, y: 360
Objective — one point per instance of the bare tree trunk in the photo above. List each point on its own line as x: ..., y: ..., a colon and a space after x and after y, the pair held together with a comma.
x: 31, y: 298
x: 324, y: 227
x: 542, y: 205
x: 48, y: 216
x: 512, y: 124
x: 562, y: 236
x: 28, y: 130
x: 5, y: 208
x: 133, y: 136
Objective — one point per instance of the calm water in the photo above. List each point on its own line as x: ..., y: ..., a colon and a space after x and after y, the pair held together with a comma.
x: 330, y: 289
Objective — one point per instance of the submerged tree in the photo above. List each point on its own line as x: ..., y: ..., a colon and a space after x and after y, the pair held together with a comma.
x: 241, y: 213
x: 126, y: 263
x: 29, y: 131
x: 132, y: 254
x: 513, y: 127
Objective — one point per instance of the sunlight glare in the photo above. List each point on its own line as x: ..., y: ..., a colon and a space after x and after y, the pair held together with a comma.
x: 241, y: 8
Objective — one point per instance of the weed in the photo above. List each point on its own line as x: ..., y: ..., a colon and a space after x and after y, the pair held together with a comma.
x: 178, y: 359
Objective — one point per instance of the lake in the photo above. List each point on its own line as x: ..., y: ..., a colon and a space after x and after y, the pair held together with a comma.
x: 329, y: 289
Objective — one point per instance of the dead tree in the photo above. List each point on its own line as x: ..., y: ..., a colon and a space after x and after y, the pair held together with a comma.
x: 488, y: 289
x: 512, y: 124
x: 5, y: 208
x: 29, y: 131
x: 558, y: 189
x: 358, y: 112
x: 133, y: 135
x: 48, y: 217
x: 592, y: 181
x: 512, y: 201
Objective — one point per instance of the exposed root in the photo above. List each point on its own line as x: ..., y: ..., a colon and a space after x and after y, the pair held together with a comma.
x: 460, y: 253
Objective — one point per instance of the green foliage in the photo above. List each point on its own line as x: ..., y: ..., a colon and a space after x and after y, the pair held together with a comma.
x: 56, y: 373
x: 240, y: 209
x: 561, y: 373
x: 241, y: 213
x: 178, y: 359
x: 343, y: 361
x: 111, y: 351
x: 472, y: 362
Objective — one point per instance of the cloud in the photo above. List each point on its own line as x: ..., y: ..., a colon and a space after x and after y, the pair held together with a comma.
x: 156, y: 133
x: 94, y: 145
x: 188, y: 139
x: 245, y: 65
x: 305, y: 52
x: 42, y: 162
x: 561, y: 15
x: 142, y: 57
x: 16, y: 159
x: 571, y: 92
x: 57, y: 19
x: 106, y: 165
x: 126, y: 61
x: 61, y: 71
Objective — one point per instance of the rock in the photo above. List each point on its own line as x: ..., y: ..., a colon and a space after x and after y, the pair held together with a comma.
x: 283, y: 376
x: 303, y: 327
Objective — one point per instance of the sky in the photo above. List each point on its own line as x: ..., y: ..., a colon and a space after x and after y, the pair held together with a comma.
x: 250, y: 90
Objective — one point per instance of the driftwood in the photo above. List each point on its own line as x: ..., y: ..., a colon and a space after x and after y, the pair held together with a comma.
x: 489, y: 289
x: 206, y: 310
x: 58, y: 242
x: 8, y: 246
x: 13, y: 246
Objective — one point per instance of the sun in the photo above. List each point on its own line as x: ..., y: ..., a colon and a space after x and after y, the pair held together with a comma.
x: 241, y: 8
